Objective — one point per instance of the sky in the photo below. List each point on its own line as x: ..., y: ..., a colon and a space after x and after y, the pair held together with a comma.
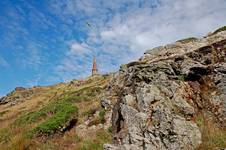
x: 43, y: 42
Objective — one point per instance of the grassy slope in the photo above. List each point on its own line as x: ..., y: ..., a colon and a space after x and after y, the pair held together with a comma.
x: 36, y: 121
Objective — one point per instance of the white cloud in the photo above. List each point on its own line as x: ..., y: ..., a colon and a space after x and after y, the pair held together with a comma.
x: 77, y: 61
x: 122, y: 30
x: 33, y: 57
x: 79, y: 49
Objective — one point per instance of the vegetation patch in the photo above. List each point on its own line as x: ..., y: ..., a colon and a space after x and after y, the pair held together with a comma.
x: 53, y: 123
x: 188, y: 40
x: 54, y: 111
x: 219, y: 30
x: 4, y: 135
x: 99, y: 119
x: 58, y: 120
x: 55, y: 114
x: 212, y: 137
x: 58, y: 112
x: 85, y: 94
x: 102, y: 137
x: 90, y: 112
x: 101, y: 115
x: 52, y: 108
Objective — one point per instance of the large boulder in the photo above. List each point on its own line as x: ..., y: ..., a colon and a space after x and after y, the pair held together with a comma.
x: 159, y: 96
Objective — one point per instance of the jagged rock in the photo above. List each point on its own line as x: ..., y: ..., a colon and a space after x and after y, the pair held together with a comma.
x: 159, y: 95
x: 69, y: 125
x: 182, y: 105
x: 2, y: 100
x: 108, y: 115
x: 105, y: 103
x: 129, y: 100
x: 146, y: 95
x: 111, y: 147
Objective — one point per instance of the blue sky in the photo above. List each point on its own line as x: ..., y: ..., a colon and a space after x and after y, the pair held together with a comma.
x: 45, y: 42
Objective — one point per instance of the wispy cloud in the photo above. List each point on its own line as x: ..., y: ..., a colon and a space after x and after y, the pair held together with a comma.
x: 3, y: 62
x: 57, y: 40
x: 76, y: 62
x: 122, y: 30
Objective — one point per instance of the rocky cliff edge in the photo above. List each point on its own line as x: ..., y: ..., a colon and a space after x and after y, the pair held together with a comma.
x: 162, y: 97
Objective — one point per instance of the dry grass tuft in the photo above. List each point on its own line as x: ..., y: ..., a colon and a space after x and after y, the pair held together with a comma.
x: 212, y: 136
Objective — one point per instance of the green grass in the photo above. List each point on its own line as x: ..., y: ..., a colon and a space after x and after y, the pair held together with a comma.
x: 75, y: 99
x: 85, y: 94
x: 4, y: 135
x: 50, y: 125
x: 32, y: 117
x: 55, y: 114
x: 89, y: 91
x: 219, y: 30
x: 102, y: 137
x: 90, y: 112
x: 90, y: 145
x: 212, y: 137
x: 101, y: 115
x: 40, y: 123
x: 187, y: 40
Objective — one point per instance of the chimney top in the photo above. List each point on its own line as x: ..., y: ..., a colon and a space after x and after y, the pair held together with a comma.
x: 94, y: 70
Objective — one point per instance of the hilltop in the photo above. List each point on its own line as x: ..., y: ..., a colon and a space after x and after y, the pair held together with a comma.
x: 62, y: 116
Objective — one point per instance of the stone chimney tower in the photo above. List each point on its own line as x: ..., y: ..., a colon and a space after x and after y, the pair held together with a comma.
x: 94, y: 70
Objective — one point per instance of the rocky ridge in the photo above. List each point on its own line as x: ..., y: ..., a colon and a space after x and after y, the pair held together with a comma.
x: 160, y: 96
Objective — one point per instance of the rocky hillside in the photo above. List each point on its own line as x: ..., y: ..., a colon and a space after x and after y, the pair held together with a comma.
x: 174, y: 97
x: 63, y: 116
